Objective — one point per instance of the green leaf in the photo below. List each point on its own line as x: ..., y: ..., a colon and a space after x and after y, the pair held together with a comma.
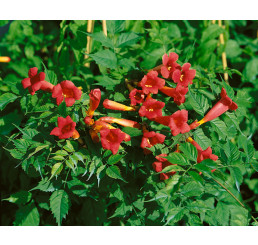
x: 106, y: 82
x: 231, y: 152
x: 133, y: 132
x: 56, y: 169
x: 189, y: 151
x: 177, y: 158
x: 27, y: 216
x: 196, y: 176
x: 59, y: 205
x: 171, y: 168
x: 219, y: 127
x: 21, y: 197
x: 198, y: 102
x: 105, y: 58
x: 248, y: 147
x: 115, y: 26
x: 114, y: 172
x: 114, y: 159
x: 175, y: 215
x: 100, y: 173
x: 192, y: 189
x: 212, y: 32
x: 62, y: 109
x: 48, y: 186
x: 232, y: 49
x: 201, y: 138
x: 127, y: 39
x: 69, y: 147
x: 100, y: 37
x: 6, y: 99
x: 237, y: 176
x: 251, y: 70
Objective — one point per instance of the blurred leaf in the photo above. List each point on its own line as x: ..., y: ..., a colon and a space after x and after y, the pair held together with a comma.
x: 6, y: 99
x: 105, y: 58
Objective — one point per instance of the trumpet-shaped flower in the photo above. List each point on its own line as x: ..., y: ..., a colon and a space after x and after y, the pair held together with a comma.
x: 151, y: 109
x: 65, y: 129
x: 36, y: 81
x: 120, y: 121
x: 66, y: 90
x: 111, y: 139
x: 178, y: 93
x: 184, y: 76
x: 223, y: 105
x: 136, y: 96
x: 109, y: 104
x: 169, y: 65
x: 151, y: 83
x: 95, y: 96
x: 150, y: 139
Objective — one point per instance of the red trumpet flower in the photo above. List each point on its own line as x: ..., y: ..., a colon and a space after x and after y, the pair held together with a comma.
x: 67, y: 91
x: 109, y: 104
x: 203, y: 154
x: 169, y: 65
x: 184, y: 76
x: 161, y: 164
x: 151, y: 83
x: 111, y: 139
x: 150, y: 139
x: 136, y: 96
x: 36, y: 81
x: 177, y: 122
x: 95, y: 96
x: 223, y: 105
x: 151, y: 109
x: 65, y: 129
x: 122, y: 122
x: 178, y: 93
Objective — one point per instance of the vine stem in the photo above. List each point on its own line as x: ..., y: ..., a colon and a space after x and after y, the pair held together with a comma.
x: 90, y: 28
x: 231, y: 194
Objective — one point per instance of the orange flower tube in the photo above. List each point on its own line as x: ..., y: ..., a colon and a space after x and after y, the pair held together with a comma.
x: 122, y: 122
x: 109, y: 104
x: 5, y: 59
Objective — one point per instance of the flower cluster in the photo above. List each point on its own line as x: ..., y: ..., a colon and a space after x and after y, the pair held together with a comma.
x: 142, y: 102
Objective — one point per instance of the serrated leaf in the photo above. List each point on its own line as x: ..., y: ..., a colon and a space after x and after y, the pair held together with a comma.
x: 100, y: 37
x: 59, y: 205
x: 212, y: 32
x: 105, y: 58
x: 196, y: 176
x: 127, y: 39
x: 115, y: 26
x: 177, y: 158
x: 189, y: 151
x: 48, y: 186
x: 198, y: 102
x: 56, y: 169
x: 220, y: 127
x: 231, y: 152
x: 237, y: 176
x: 6, y: 99
x: 69, y: 147
x: 114, y: 173
x: 114, y: 159
x: 201, y: 138
x: 192, y: 189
